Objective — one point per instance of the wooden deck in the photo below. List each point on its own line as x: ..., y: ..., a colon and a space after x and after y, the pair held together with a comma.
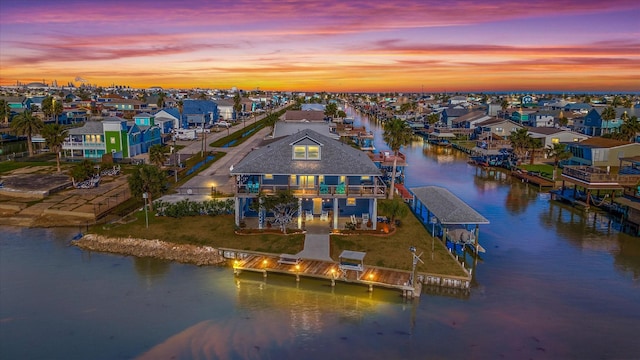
x: 371, y: 276
x: 533, y: 179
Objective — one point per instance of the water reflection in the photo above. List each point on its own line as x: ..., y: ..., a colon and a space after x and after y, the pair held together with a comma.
x: 284, y: 321
x: 150, y: 269
x: 519, y: 197
x: 586, y: 230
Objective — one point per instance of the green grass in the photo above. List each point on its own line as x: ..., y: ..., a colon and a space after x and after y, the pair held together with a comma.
x: 216, y: 231
x: 8, y: 166
x: 393, y: 251
x: 545, y: 170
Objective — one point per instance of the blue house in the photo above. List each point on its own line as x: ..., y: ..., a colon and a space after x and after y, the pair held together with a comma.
x: 331, y: 180
x: 594, y: 125
x: 197, y: 113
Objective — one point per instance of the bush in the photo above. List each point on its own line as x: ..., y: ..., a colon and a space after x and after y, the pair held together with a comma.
x: 192, y: 208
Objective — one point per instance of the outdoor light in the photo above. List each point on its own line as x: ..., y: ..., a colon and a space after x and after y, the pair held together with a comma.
x: 145, y: 196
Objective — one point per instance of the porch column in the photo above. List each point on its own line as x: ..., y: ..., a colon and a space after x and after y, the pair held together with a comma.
x: 299, y: 213
x: 237, y: 210
x: 261, y: 215
x: 335, y: 213
x: 374, y: 214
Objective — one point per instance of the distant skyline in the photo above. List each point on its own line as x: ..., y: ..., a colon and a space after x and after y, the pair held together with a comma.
x: 351, y: 46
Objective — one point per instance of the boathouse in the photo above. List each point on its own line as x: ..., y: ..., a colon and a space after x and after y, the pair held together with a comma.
x: 447, y: 217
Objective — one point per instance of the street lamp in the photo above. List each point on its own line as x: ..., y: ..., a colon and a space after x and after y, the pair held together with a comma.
x: 145, y: 196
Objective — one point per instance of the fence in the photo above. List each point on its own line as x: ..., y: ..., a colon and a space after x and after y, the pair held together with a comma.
x: 103, y: 207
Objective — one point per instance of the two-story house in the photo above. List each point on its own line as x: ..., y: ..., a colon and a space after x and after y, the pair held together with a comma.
x: 602, y: 152
x: 330, y: 179
x: 595, y: 125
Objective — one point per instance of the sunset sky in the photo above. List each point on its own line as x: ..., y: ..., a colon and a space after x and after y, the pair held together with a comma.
x: 497, y: 45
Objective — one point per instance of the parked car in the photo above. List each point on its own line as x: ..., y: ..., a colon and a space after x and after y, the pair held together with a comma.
x: 223, y: 124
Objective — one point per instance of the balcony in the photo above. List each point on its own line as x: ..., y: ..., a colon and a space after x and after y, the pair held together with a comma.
x: 377, y: 189
x: 83, y: 145
x: 596, y: 176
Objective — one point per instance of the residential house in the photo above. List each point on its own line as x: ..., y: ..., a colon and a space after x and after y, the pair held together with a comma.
x: 469, y: 121
x: 598, y: 151
x: 330, y: 179
x: 197, y: 113
x: 451, y: 113
x: 550, y: 136
x: 169, y: 115
x: 122, y: 138
x: 543, y: 118
x: 225, y: 109
x: 497, y: 127
x: 594, y: 125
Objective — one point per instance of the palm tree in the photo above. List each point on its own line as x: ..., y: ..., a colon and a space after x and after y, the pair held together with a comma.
x: 396, y: 134
x: 608, y: 114
x: 629, y: 128
x: 520, y: 142
x: 237, y: 105
x: 5, y: 111
x: 557, y: 152
x: 504, y: 105
x: 54, y: 135
x: 147, y: 179
x: 270, y: 120
x: 56, y: 109
x: 27, y: 124
x: 160, y: 102
x: 158, y: 155
x: 180, y: 105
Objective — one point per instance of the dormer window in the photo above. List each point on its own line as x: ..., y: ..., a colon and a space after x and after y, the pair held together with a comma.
x: 306, y: 152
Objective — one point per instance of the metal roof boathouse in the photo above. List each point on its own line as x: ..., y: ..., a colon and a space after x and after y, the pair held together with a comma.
x: 447, y: 216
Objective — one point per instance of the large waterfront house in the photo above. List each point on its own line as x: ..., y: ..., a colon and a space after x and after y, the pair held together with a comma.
x: 598, y: 151
x: 595, y: 125
x: 123, y: 139
x: 331, y: 180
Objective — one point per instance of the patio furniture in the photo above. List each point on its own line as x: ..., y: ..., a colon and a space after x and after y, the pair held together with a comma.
x: 340, y: 189
x: 324, y: 216
x: 308, y: 215
x: 324, y: 189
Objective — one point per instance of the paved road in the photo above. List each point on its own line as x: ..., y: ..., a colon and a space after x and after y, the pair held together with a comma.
x: 217, y: 174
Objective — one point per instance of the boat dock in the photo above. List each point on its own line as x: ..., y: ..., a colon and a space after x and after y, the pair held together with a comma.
x: 533, y: 179
x: 331, y: 271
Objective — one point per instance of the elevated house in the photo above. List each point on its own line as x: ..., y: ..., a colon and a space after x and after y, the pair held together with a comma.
x: 123, y: 139
x: 543, y: 118
x: 470, y: 120
x: 602, y: 152
x: 330, y: 179
x: 451, y: 113
x: 595, y: 125
x: 225, y: 109
x: 495, y: 127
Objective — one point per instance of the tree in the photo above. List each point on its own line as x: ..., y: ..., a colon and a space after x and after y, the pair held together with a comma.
x: 433, y: 118
x: 237, y: 104
x: 520, y: 142
x: 147, y: 179
x: 608, y: 114
x: 331, y: 110
x: 557, y: 152
x: 270, y: 120
x: 394, y: 208
x: 47, y: 106
x: 180, y: 105
x: 56, y: 109
x: 5, y: 111
x: 158, y: 155
x: 282, y: 204
x: 504, y: 104
x: 28, y: 125
x: 396, y: 134
x: 54, y: 135
x: 342, y: 114
x: 83, y: 170
x: 161, y: 97
x: 629, y: 128
x: 534, y: 145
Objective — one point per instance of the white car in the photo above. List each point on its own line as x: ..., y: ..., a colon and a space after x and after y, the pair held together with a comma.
x: 223, y: 124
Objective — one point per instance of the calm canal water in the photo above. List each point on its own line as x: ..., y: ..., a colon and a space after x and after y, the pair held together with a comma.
x: 553, y: 283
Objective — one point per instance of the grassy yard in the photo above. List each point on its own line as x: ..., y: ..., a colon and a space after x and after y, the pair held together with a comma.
x: 545, y: 170
x: 393, y: 251
x: 216, y: 231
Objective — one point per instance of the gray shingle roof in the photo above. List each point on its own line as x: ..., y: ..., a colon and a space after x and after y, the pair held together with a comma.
x: 90, y: 127
x: 448, y: 208
x: 336, y: 159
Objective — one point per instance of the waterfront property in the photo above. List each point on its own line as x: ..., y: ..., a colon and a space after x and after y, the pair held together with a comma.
x: 448, y: 217
x: 117, y: 136
x: 599, y: 151
x: 330, y: 179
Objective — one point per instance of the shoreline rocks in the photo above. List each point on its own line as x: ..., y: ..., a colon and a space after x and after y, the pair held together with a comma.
x: 183, y: 253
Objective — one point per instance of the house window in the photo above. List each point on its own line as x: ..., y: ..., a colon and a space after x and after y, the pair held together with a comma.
x: 555, y: 140
x: 313, y: 152
x: 499, y: 129
x: 365, y: 178
x: 293, y: 180
x: 113, y: 140
x: 306, y: 152
x: 351, y: 201
x: 268, y: 176
x: 299, y: 152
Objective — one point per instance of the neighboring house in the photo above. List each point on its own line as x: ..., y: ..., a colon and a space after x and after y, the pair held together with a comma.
x: 169, y: 114
x: 312, y: 107
x: 122, y: 138
x: 527, y: 101
x: 470, y: 120
x: 455, y: 100
x: 599, y: 151
x: 15, y: 102
x: 451, y: 113
x: 304, y: 115
x: 579, y: 108
x: 594, y: 125
x: 324, y: 174
x: 499, y: 127
x: 543, y: 118
x: 225, y: 110
x: 550, y: 136
x: 197, y: 113
x: 521, y: 116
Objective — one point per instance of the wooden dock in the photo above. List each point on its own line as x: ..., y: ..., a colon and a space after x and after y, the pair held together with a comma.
x: 370, y: 276
x: 533, y: 179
